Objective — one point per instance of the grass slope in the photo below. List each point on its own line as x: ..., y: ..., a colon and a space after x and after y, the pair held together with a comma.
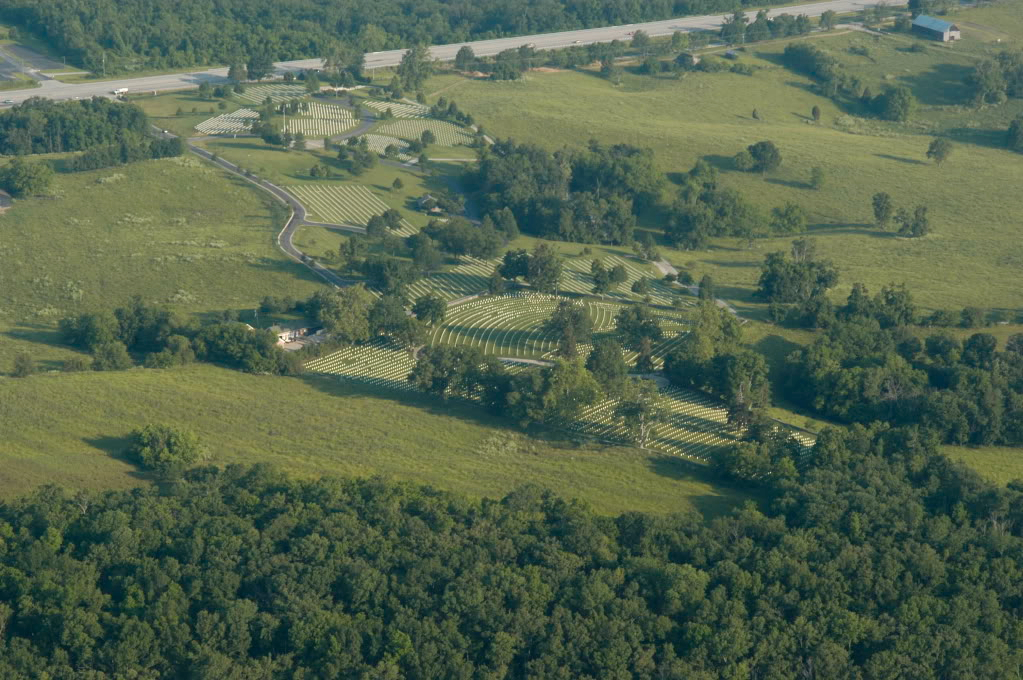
x: 972, y: 198
x: 175, y: 231
x: 70, y: 429
x: 998, y: 463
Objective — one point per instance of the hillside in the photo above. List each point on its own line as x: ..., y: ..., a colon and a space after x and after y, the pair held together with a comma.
x: 707, y: 116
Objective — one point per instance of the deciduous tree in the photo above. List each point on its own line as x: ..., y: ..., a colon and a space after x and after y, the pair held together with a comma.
x: 939, y: 150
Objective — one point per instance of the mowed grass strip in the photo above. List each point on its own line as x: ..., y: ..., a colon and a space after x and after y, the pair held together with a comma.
x: 321, y: 120
x: 379, y: 143
x: 71, y: 429
x: 506, y: 326
x: 579, y: 279
x: 469, y: 277
x: 511, y: 327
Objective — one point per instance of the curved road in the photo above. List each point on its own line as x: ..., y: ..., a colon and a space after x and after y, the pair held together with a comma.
x: 296, y: 220
x: 54, y: 89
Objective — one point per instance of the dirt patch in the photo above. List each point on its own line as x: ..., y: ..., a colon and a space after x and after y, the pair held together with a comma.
x: 5, y: 201
x: 547, y: 69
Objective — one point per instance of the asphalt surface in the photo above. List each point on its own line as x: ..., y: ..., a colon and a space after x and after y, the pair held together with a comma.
x: 178, y: 81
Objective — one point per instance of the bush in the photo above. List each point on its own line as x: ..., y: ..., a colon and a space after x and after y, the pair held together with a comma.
x: 760, y: 157
x: 817, y: 178
x: 74, y: 364
x: 973, y: 317
x: 111, y: 356
x: 23, y: 366
x: 166, y: 450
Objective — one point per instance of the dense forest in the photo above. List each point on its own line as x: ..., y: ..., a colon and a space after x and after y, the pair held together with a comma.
x: 45, y: 126
x: 880, y: 560
x: 108, y: 133
x: 114, y: 35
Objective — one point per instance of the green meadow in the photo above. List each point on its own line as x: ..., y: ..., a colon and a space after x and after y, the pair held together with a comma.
x: 176, y: 231
x: 71, y: 429
x: 972, y: 199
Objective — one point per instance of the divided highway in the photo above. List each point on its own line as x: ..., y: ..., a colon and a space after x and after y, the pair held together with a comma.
x: 54, y: 89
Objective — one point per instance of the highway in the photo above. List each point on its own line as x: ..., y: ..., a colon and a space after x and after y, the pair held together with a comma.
x: 54, y: 89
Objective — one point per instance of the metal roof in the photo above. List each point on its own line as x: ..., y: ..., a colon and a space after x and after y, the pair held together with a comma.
x: 934, y: 24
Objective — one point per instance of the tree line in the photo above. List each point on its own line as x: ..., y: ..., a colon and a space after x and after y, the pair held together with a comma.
x: 107, y: 36
x: 158, y: 338
x: 106, y: 133
x: 869, y: 366
x: 865, y: 556
x: 893, y: 103
x: 45, y: 126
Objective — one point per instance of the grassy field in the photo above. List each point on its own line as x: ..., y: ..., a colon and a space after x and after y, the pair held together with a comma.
x: 163, y: 108
x: 70, y: 429
x: 998, y: 463
x: 176, y: 231
x: 709, y: 116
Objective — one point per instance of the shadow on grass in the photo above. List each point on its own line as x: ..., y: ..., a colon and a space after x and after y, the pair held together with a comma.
x: 731, y: 263
x: 791, y: 183
x: 720, y: 162
x: 462, y: 409
x: 941, y: 85
x: 35, y: 332
x: 711, y: 507
x: 116, y: 448
x: 992, y: 138
x: 288, y: 267
x: 775, y: 349
x: 861, y: 229
x: 734, y: 294
x: 900, y: 159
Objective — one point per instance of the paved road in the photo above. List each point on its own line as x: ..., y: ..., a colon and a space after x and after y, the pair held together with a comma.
x: 57, y: 90
x: 297, y: 219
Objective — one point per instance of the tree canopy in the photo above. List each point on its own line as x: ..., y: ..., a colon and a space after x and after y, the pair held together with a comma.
x: 867, y: 554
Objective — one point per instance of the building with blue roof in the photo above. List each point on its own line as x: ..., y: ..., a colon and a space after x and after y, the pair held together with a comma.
x: 937, y: 29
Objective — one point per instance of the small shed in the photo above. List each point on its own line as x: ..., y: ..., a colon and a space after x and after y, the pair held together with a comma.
x: 286, y: 335
x: 937, y: 29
